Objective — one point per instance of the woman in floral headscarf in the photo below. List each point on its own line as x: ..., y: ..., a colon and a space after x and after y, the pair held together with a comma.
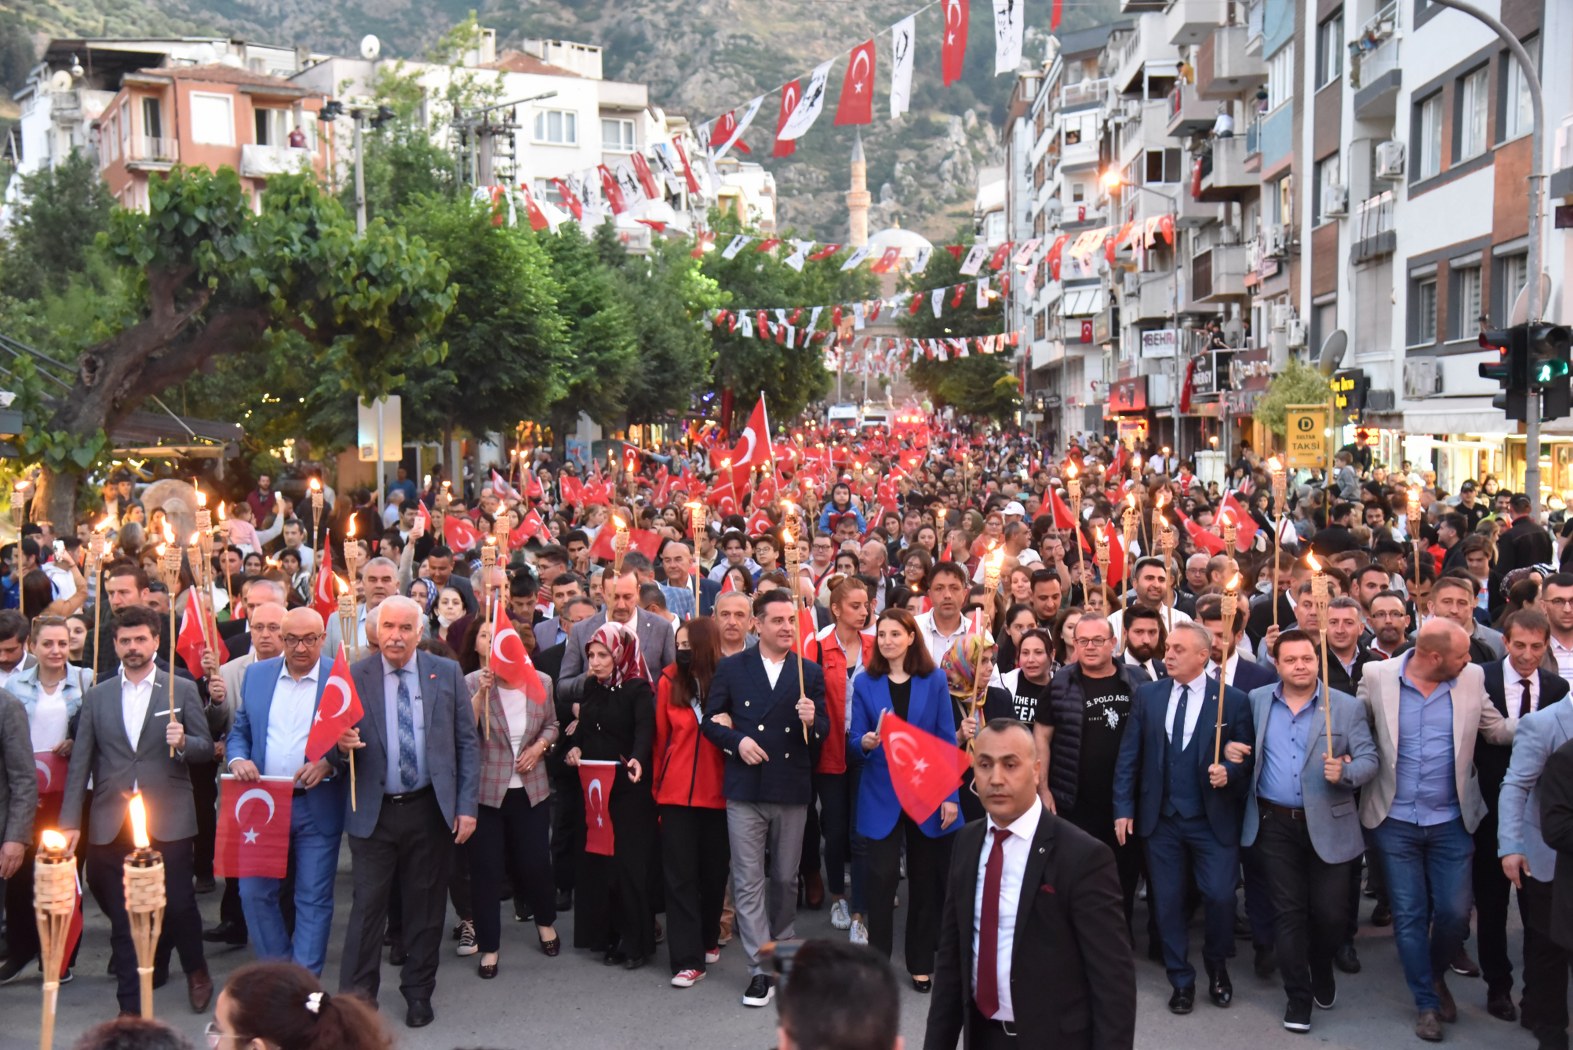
x: 972, y: 658
x: 615, y: 721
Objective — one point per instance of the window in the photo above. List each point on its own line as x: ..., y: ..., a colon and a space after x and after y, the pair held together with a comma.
x: 152, y: 118
x: 1422, y: 306
x: 1327, y: 184
x: 1163, y: 165
x: 1330, y: 50
x: 1466, y: 306
x: 557, y: 127
x: 1280, y: 77
x: 617, y: 136
x: 1078, y: 192
x: 1428, y: 137
x: 212, y: 119
x: 1517, y: 116
x: 1512, y: 274
x: 271, y: 126
x: 1472, y: 114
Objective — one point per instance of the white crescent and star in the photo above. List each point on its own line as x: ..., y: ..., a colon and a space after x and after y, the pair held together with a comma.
x: 595, y: 797
x: 860, y: 80
x: 900, y: 745
x: 344, y: 691
x: 43, y: 767
x: 747, y: 458
x: 247, y: 796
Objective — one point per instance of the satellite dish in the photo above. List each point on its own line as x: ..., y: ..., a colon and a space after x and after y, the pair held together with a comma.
x: 1333, y: 352
x: 233, y: 61
x: 370, y: 47
x: 60, y: 81
x: 207, y: 54
x: 1520, y: 313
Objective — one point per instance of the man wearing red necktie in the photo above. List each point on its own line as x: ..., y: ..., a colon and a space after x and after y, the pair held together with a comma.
x: 1033, y: 947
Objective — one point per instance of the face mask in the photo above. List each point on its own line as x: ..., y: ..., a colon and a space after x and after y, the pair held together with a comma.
x: 446, y: 621
x: 685, y: 658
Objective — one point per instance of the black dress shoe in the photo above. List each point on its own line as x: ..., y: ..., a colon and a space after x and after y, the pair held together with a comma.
x: 486, y: 970
x: 635, y: 962
x: 397, y: 955
x: 925, y: 985
x: 1382, y: 915
x: 205, y: 884
x: 1219, y: 988
x: 227, y: 932
x: 13, y: 969
x: 1346, y: 958
x: 550, y: 947
x: 419, y: 1014
x: 1182, y: 1000
x: 614, y: 958
x: 1500, y: 1005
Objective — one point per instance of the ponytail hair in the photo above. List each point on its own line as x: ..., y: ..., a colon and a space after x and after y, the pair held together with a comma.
x: 287, y: 1006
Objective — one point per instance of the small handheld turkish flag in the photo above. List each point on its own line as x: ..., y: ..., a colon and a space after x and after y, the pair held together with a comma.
x: 324, y: 598
x: 190, y: 643
x: 596, y: 778
x: 338, y: 710
x: 510, y: 660
x: 459, y: 533
x: 924, y: 770
x: 51, y: 770
x: 253, y: 828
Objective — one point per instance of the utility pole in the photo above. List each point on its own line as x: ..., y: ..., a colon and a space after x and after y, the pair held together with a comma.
x: 359, y: 117
x: 1537, y: 210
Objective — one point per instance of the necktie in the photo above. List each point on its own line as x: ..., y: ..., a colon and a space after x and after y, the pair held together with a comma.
x: 987, y: 993
x: 409, y: 767
x: 1526, y: 705
x: 1177, y: 734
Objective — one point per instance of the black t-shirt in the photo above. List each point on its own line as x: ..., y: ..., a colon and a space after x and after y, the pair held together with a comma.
x: 901, y: 697
x: 1027, y: 697
x: 1106, y: 708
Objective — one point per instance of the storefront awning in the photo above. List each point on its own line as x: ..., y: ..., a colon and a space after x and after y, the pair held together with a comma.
x: 1463, y: 415
x: 1082, y: 302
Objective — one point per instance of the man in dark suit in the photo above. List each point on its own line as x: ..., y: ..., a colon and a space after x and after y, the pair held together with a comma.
x: 1516, y: 686
x: 1290, y: 572
x: 1185, y: 807
x: 18, y: 788
x: 1245, y: 674
x: 124, y: 740
x: 677, y: 561
x: 1050, y: 965
x: 1526, y: 543
x: 1346, y: 660
x: 657, y: 640
x: 770, y: 725
x: 419, y: 779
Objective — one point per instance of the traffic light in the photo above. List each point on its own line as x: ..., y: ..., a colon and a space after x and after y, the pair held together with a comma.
x: 1511, y: 369
x: 331, y: 110
x: 1550, y: 347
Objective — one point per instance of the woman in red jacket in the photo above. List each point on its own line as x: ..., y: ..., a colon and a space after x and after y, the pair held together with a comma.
x: 688, y: 774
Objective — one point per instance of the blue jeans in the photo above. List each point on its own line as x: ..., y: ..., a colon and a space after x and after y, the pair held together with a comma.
x: 1428, y: 884
x: 314, y: 854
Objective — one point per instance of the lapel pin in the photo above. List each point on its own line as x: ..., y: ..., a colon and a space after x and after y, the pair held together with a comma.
x: 1042, y: 849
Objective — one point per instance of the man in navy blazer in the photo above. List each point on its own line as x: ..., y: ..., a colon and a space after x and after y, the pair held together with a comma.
x: 1186, y: 808
x: 1301, y: 819
x: 770, y: 727
x: 1245, y: 674
x: 417, y: 759
x: 278, y: 705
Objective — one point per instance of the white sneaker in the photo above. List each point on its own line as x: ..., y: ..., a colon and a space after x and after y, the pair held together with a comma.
x: 840, y: 915
x: 859, y: 933
x: 687, y: 978
x: 467, y: 945
x: 712, y: 955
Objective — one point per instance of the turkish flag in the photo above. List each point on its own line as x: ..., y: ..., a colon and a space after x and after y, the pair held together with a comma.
x: 596, y: 778
x: 612, y: 190
x: 886, y: 262
x: 570, y: 199
x: 501, y: 488
x: 191, y: 645
x: 338, y: 710
x: 759, y: 522
x: 324, y: 598
x: 1055, y: 13
x: 530, y: 525
x: 1200, y: 537
x: 754, y: 447
x: 857, y: 90
x: 953, y: 48
x: 1243, y: 522
x: 459, y: 533
x: 1063, y: 518
x: 249, y: 844
x: 572, y: 488
x: 510, y: 660
x: 51, y: 770
x: 646, y: 177
x: 725, y: 128
x: 791, y: 92
x: 824, y: 253
x: 924, y: 769
x: 688, y: 169
x: 1116, y: 554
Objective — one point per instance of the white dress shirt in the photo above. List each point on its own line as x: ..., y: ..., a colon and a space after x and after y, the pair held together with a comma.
x: 1017, y: 848
x: 938, y: 642
x: 773, y: 668
x: 134, y: 700
x: 1193, y: 708
x: 289, y: 722
x: 1513, y: 691
x: 1563, y: 655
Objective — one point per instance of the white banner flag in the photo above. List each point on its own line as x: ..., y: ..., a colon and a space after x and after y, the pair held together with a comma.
x: 813, y: 318
x: 735, y: 245
x: 978, y: 254
x: 920, y: 259
x: 742, y: 125
x: 857, y: 317
x: 808, y: 106
x: 937, y: 300
x: 983, y: 293
x: 1008, y: 24
x: 901, y: 36
x: 855, y: 259
x: 799, y: 255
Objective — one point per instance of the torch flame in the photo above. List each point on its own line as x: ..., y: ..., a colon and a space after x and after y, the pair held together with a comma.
x: 53, y: 840
x: 202, y: 498
x: 221, y: 515
x: 103, y: 524
x: 341, y: 584
x: 1274, y: 466
x: 316, y: 486
x: 1070, y: 471
x: 169, y: 533
x: 1310, y: 559
x: 138, y: 822
x: 196, y: 539
x: 352, y: 528
x: 786, y: 538
x: 1233, y: 584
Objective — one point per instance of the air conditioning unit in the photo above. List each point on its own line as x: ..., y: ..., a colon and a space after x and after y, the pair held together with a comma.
x: 1336, y: 206
x: 1277, y: 240
x: 1283, y: 315
x: 1390, y: 161
x: 1422, y: 378
x: 1294, y: 335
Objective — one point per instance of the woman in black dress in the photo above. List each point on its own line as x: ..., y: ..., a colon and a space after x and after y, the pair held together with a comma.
x: 615, y: 721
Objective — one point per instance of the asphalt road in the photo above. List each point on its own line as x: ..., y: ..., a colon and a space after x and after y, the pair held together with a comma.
x: 573, y: 1001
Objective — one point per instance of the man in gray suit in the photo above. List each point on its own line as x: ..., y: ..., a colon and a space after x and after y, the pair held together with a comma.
x: 18, y: 787
x: 657, y: 640
x: 1301, y: 820
x: 124, y: 739
x: 418, y: 773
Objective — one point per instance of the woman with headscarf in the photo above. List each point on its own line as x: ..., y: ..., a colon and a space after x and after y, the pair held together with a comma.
x: 903, y: 681
x: 614, y: 721
x: 972, y: 659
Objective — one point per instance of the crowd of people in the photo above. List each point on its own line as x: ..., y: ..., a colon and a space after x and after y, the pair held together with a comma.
x: 1341, y: 695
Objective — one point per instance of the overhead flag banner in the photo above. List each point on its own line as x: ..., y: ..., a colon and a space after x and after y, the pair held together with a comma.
x: 1009, y: 23
x: 953, y: 46
x: 857, y: 90
x: 901, y: 37
x: 736, y: 129
x: 809, y: 106
x: 790, y: 93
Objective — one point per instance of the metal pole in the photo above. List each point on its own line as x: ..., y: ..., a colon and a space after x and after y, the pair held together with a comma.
x: 1537, y: 188
x: 382, y: 402
x: 360, y: 180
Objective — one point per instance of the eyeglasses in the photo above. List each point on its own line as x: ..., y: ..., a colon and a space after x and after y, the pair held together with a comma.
x: 1559, y: 603
x: 217, y: 1037
x: 1093, y: 642
x: 295, y: 641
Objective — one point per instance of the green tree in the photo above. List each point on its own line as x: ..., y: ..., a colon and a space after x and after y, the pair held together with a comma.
x: 215, y: 278
x: 1297, y: 384
x: 601, y: 337
x: 67, y: 207
x: 979, y: 384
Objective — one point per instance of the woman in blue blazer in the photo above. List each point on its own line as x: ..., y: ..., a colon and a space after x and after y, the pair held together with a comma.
x: 901, y: 677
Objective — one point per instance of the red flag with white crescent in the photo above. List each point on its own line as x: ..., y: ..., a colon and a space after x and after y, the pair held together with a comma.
x: 646, y: 177
x: 925, y: 770
x: 191, y: 643
x: 530, y: 525
x: 688, y: 169
x: 337, y: 710
x: 953, y: 48
x: 253, y: 828
x: 753, y: 448
x: 725, y: 128
x: 501, y: 488
x: 570, y: 199
x: 612, y: 189
x: 459, y: 533
x: 51, y: 770
x: 857, y: 90
x: 596, y: 779
x: 1200, y: 537
x: 510, y: 660
x: 791, y: 92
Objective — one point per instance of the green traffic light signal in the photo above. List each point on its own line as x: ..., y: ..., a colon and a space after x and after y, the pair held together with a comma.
x: 1549, y: 371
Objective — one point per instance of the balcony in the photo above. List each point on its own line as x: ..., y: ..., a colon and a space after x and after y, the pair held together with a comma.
x: 1224, y: 69
x: 1562, y: 170
x: 1374, y: 227
x: 1146, y: 297
x: 259, y: 162
x: 1191, y: 21
x: 1191, y: 213
x: 151, y: 153
x: 1189, y: 113
x: 1375, y: 71
x: 1226, y: 174
x: 1218, y: 273
x: 1255, y: 16
x: 1085, y: 93
x: 1136, y: 7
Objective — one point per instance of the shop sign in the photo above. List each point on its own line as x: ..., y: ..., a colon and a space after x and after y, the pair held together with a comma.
x: 1128, y: 395
x: 1307, y: 436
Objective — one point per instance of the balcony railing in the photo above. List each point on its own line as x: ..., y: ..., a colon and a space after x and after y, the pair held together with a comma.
x: 1088, y: 91
x: 1374, y: 227
x: 152, y: 149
